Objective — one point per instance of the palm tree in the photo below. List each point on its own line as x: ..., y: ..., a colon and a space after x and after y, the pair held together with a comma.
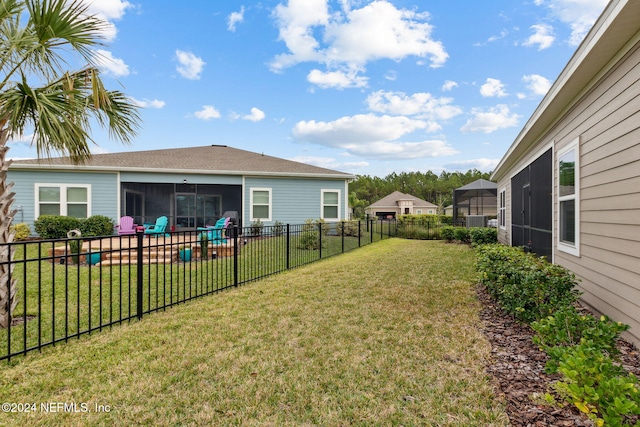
x: 38, y: 39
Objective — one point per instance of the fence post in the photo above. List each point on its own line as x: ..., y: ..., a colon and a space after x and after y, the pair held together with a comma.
x: 370, y: 227
x: 320, y: 239
x: 235, y: 256
x: 342, y: 236
x: 139, y: 276
x: 288, y: 256
x: 359, y: 232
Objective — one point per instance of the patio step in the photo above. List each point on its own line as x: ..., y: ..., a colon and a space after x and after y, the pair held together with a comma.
x: 156, y: 254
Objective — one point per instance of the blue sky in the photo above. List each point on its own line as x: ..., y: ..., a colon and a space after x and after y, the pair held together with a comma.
x: 365, y: 87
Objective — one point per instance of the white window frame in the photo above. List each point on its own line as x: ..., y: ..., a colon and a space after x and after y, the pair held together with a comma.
x: 322, y: 205
x: 63, y: 197
x: 502, y: 209
x: 251, y: 191
x: 573, y: 249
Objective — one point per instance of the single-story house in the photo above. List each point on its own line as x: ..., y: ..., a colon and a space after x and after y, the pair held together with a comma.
x: 569, y: 185
x: 398, y: 203
x: 192, y: 186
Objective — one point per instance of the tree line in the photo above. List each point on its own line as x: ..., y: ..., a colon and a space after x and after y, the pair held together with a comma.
x: 437, y: 189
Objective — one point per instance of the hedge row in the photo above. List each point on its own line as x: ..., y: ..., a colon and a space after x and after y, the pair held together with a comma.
x: 580, y: 347
x: 475, y: 235
x: 57, y: 226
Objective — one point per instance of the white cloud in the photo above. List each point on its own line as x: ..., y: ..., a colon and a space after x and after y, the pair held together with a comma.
x: 449, y: 85
x: 351, y: 38
x: 493, y: 87
x: 235, y: 18
x: 537, y: 84
x: 371, y: 136
x: 578, y: 14
x: 423, y: 105
x: 491, y: 120
x: 108, y: 10
x: 482, y: 164
x: 147, y: 103
x: 208, y: 112
x: 109, y: 64
x: 337, y: 79
x: 255, y: 116
x: 542, y: 36
x: 189, y: 65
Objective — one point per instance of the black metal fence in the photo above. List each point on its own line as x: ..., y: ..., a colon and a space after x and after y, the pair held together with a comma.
x: 67, y: 288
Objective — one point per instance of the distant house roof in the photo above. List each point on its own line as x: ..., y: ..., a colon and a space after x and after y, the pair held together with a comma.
x: 210, y: 159
x: 480, y: 184
x: 392, y: 201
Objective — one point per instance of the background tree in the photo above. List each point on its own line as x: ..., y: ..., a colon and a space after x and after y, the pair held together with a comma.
x: 427, y: 186
x: 38, y: 38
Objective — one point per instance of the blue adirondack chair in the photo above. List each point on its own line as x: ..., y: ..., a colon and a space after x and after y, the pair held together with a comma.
x: 160, y: 227
x: 214, y: 234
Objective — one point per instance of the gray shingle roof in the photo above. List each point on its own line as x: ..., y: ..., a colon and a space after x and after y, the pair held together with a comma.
x: 393, y: 198
x: 206, y: 159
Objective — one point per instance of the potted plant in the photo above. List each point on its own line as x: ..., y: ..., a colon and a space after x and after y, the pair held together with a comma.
x: 184, y: 252
x: 75, y: 245
x: 93, y: 256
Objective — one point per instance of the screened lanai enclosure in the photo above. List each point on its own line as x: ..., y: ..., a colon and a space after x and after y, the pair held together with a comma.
x: 474, y: 203
x: 187, y: 206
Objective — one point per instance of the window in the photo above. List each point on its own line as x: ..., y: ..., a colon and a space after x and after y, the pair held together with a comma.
x: 502, y: 212
x: 568, y: 200
x: 261, y: 204
x: 63, y: 199
x: 330, y: 205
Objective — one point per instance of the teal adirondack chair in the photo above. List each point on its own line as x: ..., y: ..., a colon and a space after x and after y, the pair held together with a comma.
x: 160, y: 227
x: 214, y: 234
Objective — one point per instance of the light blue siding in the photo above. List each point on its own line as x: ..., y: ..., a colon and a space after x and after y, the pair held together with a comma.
x: 293, y: 199
x: 104, y: 191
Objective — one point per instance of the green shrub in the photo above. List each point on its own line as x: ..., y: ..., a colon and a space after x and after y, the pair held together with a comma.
x: 447, y: 233
x: 278, y: 228
x: 597, y: 386
x: 567, y: 327
x: 525, y: 286
x: 96, y: 225
x: 483, y: 236
x: 348, y: 228
x: 204, y: 245
x: 22, y: 231
x: 461, y: 234
x: 445, y: 219
x: 310, y: 238
x: 416, y: 232
x: 55, y: 226
x: 256, y: 227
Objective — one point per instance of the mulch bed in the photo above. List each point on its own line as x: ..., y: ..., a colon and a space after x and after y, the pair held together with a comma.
x: 517, y: 367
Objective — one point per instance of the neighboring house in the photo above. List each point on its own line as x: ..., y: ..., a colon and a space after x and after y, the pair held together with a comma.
x: 448, y: 210
x: 569, y: 185
x: 192, y: 186
x: 398, y: 203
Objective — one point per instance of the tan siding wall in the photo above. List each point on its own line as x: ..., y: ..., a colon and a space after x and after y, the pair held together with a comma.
x: 607, y: 121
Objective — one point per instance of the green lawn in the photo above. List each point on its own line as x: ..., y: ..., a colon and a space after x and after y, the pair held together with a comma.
x: 385, y: 335
x: 67, y: 300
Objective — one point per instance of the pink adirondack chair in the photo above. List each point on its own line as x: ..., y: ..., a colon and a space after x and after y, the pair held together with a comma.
x: 126, y: 226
